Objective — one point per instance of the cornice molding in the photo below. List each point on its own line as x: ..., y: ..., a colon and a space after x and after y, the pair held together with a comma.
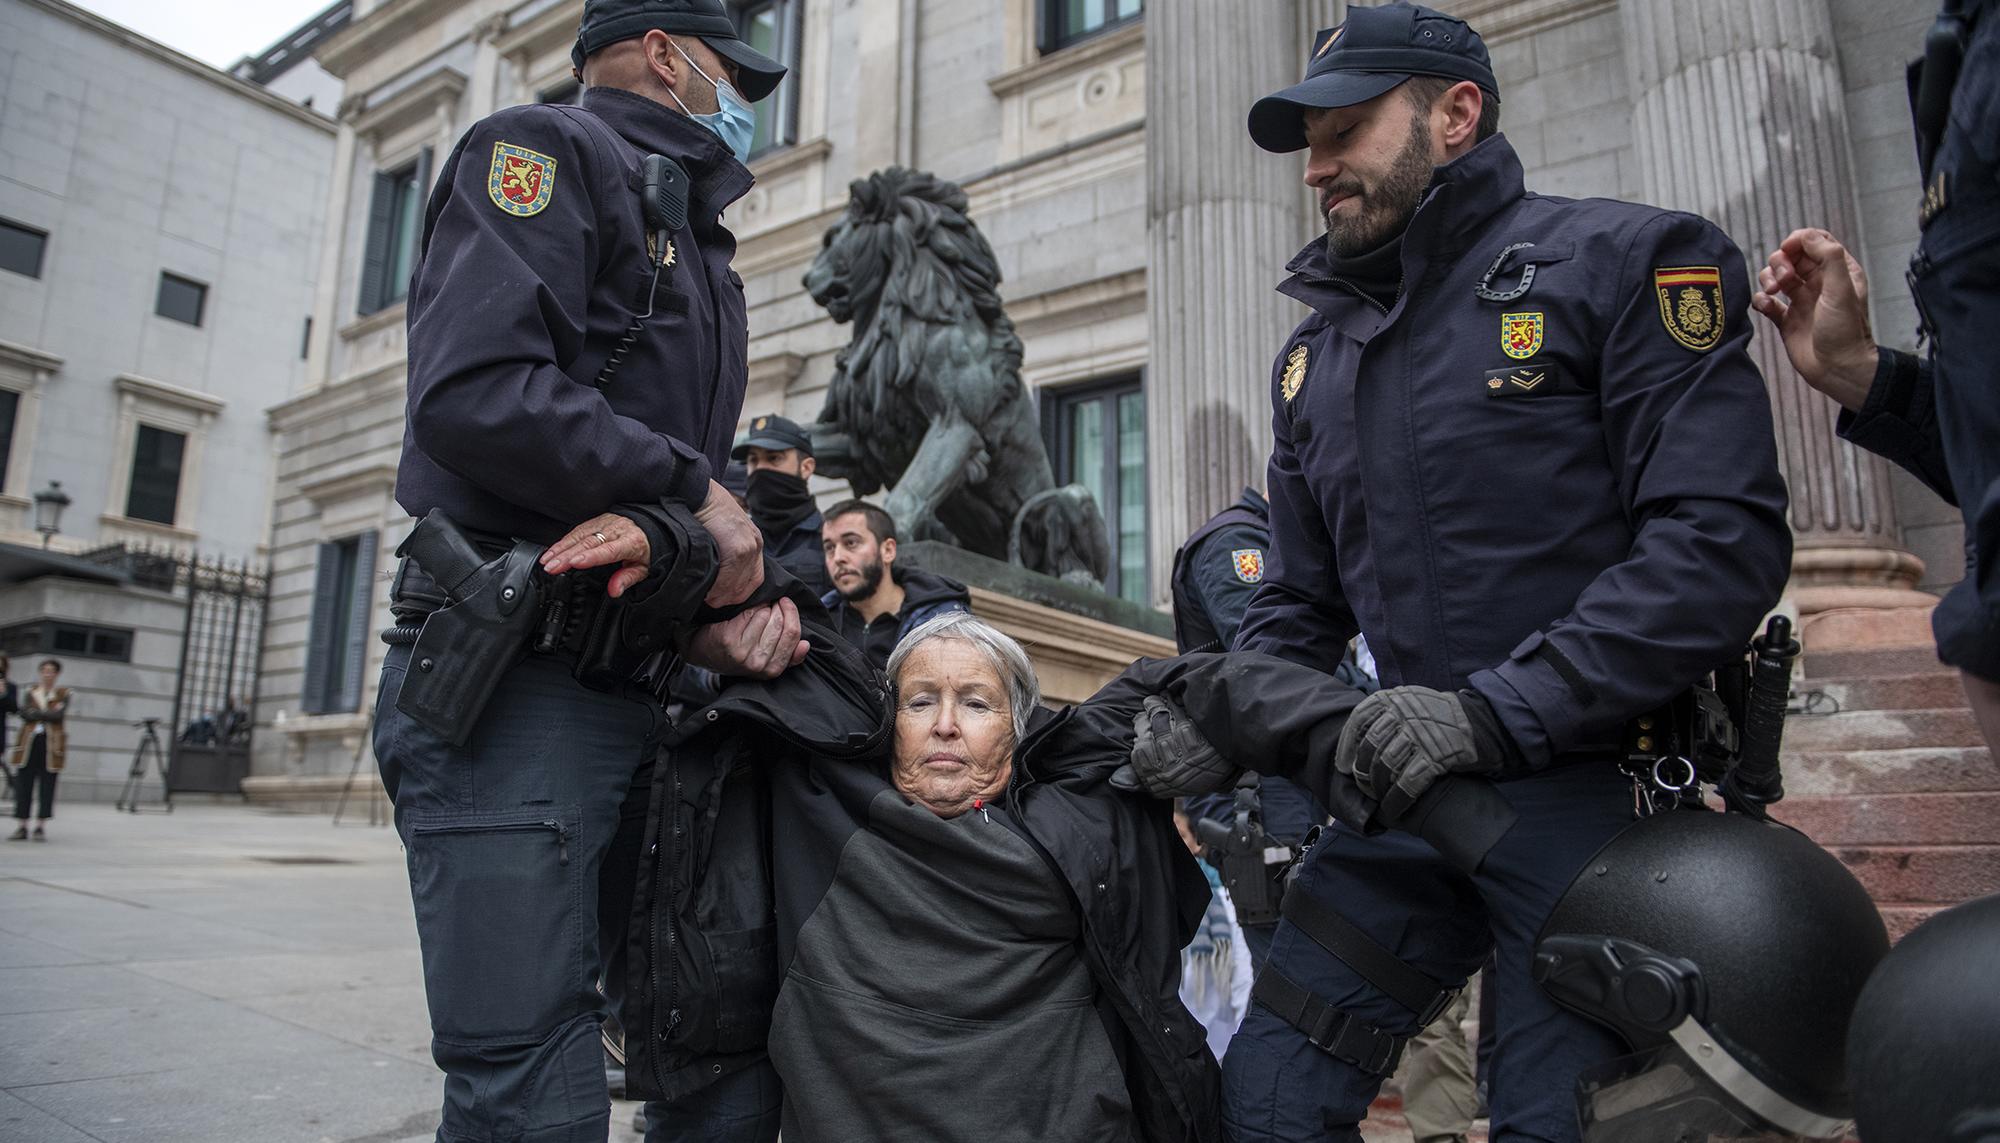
x: 378, y: 31
x: 419, y: 99
x: 29, y: 358
x: 190, y: 399
x: 1092, y: 53
x: 188, y: 64
x: 790, y: 158
x: 352, y: 392
x: 346, y: 485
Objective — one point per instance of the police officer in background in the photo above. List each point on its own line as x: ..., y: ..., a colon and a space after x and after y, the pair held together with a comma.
x: 1552, y: 506
x: 1215, y: 573
x: 545, y: 388
x: 1937, y: 415
x: 778, y: 454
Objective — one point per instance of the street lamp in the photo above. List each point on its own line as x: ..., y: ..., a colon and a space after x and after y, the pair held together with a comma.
x: 49, y: 505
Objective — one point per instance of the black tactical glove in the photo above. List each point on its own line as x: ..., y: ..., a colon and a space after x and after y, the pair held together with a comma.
x: 1401, y: 740
x: 1170, y: 758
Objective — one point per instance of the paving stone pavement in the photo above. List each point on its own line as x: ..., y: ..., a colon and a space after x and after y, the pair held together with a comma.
x: 218, y: 974
x: 224, y: 974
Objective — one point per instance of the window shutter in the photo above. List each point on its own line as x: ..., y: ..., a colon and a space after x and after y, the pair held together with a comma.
x: 359, y: 618
x: 420, y: 235
x: 319, y: 635
x: 375, y: 254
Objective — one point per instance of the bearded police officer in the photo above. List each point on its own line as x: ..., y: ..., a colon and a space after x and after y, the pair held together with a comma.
x: 576, y: 342
x: 1521, y: 445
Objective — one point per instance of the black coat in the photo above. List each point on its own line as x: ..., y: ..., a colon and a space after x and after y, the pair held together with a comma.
x: 755, y: 801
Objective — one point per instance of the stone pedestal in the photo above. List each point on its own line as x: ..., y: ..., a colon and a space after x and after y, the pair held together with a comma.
x: 1078, y: 638
x: 1738, y: 116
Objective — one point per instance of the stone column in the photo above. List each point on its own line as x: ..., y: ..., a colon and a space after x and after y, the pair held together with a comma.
x: 1738, y: 115
x: 1222, y: 220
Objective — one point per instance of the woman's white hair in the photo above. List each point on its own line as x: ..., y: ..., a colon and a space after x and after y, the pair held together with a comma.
x: 1009, y: 661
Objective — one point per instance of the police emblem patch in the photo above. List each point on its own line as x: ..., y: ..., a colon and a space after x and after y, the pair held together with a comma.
x: 1521, y: 335
x: 1691, y: 304
x: 1249, y: 564
x: 521, y: 181
x: 1295, y: 373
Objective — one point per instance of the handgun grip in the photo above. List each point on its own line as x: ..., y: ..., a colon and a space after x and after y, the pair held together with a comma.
x: 444, y: 552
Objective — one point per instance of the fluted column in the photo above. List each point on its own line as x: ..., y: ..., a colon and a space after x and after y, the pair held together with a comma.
x: 1222, y: 219
x: 1738, y: 115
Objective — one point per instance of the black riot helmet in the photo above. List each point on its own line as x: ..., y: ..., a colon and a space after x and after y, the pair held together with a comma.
x: 1924, y: 1049
x: 1727, y: 952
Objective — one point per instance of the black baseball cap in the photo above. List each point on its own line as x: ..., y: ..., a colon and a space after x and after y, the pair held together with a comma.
x: 605, y: 22
x: 1376, y: 49
x: 773, y: 432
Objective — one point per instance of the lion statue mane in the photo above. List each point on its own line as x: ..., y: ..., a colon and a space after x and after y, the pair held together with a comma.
x: 927, y: 399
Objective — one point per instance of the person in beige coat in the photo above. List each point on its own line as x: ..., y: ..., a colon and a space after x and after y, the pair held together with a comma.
x: 38, y: 753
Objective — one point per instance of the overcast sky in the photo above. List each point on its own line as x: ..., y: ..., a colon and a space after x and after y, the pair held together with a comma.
x: 219, y: 32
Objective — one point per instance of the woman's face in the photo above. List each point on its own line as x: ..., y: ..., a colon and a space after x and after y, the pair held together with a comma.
x: 48, y: 673
x: 954, y: 731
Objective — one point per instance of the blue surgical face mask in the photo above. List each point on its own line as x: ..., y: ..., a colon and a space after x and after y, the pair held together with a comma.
x: 734, y: 123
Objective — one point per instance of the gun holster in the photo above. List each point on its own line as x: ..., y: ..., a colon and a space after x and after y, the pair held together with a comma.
x: 1250, y: 862
x: 477, y: 636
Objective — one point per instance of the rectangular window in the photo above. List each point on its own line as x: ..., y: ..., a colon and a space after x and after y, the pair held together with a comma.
x: 180, y: 298
x: 21, y: 248
x: 62, y: 637
x: 395, y: 224
x: 337, y: 641
x: 306, y: 340
x: 772, y: 27
x: 156, y: 474
x: 1097, y: 437
x: 1065, y: 22
x: 10, y: 407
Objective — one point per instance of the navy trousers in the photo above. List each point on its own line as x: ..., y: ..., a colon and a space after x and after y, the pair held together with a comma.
x: 1278, y: 1087
x: 519, y: 897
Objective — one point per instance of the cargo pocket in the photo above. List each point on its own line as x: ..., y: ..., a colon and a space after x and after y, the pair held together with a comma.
x: 499, y: 903
x: 745, y: 967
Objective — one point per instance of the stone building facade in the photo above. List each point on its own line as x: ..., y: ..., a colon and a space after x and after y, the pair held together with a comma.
x: 1101, y: 144
x: 160, y: 228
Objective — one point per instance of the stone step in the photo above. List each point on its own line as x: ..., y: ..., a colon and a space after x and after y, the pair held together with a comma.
x: 1883, y: 730
x: 1907, y: 771
x: 1933, y: 690
x: 1892, y: 819
x: 1870, y: 661
x: 1900, y: 919
x: 1924, y: 874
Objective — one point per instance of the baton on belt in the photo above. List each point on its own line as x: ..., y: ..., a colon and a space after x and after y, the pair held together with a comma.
x: 1755, y: 781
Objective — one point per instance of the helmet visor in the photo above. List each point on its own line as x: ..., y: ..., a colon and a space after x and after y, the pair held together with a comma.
x: 1660, y: 1096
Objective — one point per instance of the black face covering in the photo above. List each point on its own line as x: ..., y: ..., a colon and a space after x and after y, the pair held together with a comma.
x: 778, y: 500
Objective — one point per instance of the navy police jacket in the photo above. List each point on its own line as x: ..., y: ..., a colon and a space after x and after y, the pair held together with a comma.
x: 1216, y: 571
x: 1565, y: 497
x: 534, y: 265
x: 1955, y: 279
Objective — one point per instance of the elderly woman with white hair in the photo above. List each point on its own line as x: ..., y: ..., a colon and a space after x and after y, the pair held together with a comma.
x: 975, y: 934
x: 942, y: 982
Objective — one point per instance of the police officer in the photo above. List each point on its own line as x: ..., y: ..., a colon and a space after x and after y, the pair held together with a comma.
x: 1215, y: 573
x: 778, y: 455
x: 1937, y: 415
x: 571, y: 348
x: 1521, y: 445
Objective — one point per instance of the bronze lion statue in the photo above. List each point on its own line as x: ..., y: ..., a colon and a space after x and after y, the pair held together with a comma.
x: 927, y: 398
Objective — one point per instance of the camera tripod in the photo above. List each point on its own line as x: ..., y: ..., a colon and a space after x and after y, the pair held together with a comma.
x: 149, y: 747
